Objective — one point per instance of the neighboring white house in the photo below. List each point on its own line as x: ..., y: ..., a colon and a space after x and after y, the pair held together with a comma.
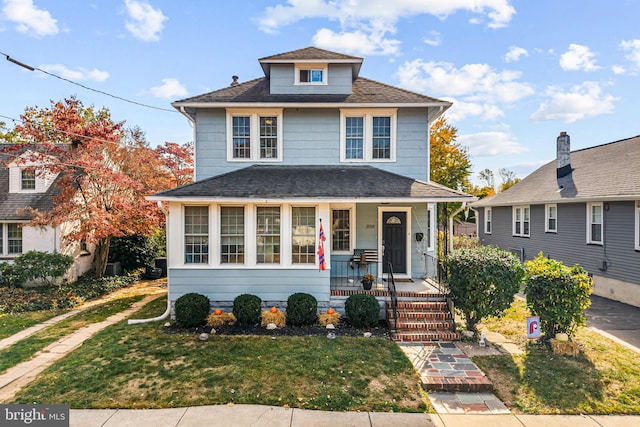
x: 311, y: 143
x: 22, y: 186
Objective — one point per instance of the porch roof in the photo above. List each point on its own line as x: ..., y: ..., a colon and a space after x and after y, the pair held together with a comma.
x: 334, y: 183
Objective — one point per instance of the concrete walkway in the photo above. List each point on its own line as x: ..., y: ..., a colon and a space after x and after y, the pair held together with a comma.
x: 272, y: 416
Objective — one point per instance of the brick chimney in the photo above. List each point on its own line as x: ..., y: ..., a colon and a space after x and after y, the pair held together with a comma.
x: 564, y: 155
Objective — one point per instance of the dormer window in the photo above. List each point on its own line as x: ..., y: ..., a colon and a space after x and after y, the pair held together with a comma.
x: 28, y: 179
x: 311, y: 74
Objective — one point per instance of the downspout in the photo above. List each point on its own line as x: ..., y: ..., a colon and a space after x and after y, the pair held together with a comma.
x: 168, y: 310
x: 460, y: 209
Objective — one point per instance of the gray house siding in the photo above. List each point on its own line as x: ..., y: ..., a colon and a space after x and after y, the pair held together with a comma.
x: 282, y: 81
x: 616, y: 259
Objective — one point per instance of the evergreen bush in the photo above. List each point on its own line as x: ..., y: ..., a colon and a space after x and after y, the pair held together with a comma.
x: 42, y: 268
x: 302, y: 309
x: 247, y: 309
x: 191, y: 310
x: 362, y: 310
x: 133, y: 252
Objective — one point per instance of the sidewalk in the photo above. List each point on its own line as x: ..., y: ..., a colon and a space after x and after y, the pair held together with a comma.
x: 272, y: 416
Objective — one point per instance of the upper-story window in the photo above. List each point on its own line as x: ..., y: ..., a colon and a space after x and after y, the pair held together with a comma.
x: 487, y: 220
x: 551, y: 218
x: 28, y: 179
x: 254, y: 135
x: 367, y: 135
x: 311, y: 74
x: 521, y: 221
x: 594, y: 223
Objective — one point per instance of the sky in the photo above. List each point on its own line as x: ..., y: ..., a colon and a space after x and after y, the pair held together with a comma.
x: 518, y: 72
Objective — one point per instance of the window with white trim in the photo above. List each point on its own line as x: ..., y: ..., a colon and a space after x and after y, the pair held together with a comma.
x: 196, y: 234
x: 367, y: 135
x: 28, y: 179
x: 311, y: 74
x: 303, y: 235
x: 521, y: 221
x: 10, y: 239
x: 232, y: 246
x: 551, y: 218
x: 594, y: 223
x: 638, y: 225
x: 254, y: 135
x: 341, y: 235
x: 431, y: 218
x: 487, y: 220
x: 268, y: 234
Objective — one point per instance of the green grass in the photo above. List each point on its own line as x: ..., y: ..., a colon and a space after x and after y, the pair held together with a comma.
x: 26, y: 348
x: 13, y: 323
x: 603, y: 379
x: 140, y: 366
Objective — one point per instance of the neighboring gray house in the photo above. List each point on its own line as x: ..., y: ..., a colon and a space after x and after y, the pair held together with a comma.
x: 309, y: 143
x: 22, y: 186
x: 582, y: 208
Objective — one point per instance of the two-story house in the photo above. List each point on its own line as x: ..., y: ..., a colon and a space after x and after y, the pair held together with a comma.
x: 582, y: 208
x: 23, y: 185
x: 309, y: 158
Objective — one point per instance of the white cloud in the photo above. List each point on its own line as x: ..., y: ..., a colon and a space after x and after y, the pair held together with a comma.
x: 359, y: 42
x: 633, y: 47
x: 30, y: 19
x: 80, y: 74
x: 475, y: 82
x: 433, y: 39
x: 145, y: 22
x: 461, y: 110
x: 618, y: 69
x: 585, y: 100
x: 578, y: 57
x: 484, y: 144
x: 171, y: 88
x: 354, y: 16
x: 515, y: 53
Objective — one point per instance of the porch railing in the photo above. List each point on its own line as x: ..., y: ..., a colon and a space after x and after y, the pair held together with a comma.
x: 348, y: 274
x: 393, y: 296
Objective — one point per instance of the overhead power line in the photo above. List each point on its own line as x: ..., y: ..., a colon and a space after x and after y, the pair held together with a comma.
x: 30, y: 68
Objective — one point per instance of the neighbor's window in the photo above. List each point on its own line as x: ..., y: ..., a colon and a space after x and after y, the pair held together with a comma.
x: 551, y: 218
x: 341, y: 230
x: 268, y: 235
x: 196, y: 234
x: 638, y: 225
x: 594, y: 223
x: 303, y: 235
x: 28, y: 179
x: 521, y: 221
x: 367, y: 135
x: 14, y: 239
x: 232, y: 235
x: 487, y: 220
x: 254, y: 135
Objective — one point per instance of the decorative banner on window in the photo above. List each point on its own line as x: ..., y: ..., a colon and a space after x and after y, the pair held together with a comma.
x: 533, y: 327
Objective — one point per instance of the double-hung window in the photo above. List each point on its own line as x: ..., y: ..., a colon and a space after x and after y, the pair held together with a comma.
x: 638, y: 225
x: 367, y: 135
x: 551, y: 218
x: 521, y: 221
x: 303, y: 235
x: 594, y: 223
x: 268, y: 235
x: 10, y: 239
x: 232, y: 246
x: 28, y: 179
x: 487, y: 220
x: 341, y: 235
x: 254, y: 135
x: 196, y: 234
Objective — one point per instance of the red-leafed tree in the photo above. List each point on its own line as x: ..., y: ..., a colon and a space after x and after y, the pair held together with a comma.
x: 104, y: 174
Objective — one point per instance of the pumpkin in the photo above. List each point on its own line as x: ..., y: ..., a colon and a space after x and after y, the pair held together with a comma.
x: 274, y: 310
x: 218, y: 311
x: 330, y: 311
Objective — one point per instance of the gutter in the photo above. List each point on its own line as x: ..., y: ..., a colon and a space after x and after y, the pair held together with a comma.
x: 167, y: 312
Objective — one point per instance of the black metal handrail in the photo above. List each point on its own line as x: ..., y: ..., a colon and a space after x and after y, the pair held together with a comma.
x: 393, y: 296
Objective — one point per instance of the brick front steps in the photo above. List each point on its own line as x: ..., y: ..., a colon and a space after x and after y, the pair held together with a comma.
x: 423, y: 321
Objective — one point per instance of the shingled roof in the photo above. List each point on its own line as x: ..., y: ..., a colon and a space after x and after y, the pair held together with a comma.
x: 604, y: 172
x: 364, y: 91
x: 310, y: 53
x: 262, y: 182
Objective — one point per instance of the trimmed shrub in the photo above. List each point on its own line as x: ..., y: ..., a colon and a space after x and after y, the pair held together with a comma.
x: 558, y: 294
x: 35, y: 266
x: 133, y: 251
x: 302, y: 309
x: 484, y: 281
x: 362, y: 310
x: 191, y: 310
x: 246, y: 308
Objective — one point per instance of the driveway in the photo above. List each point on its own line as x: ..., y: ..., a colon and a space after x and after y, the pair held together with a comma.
x: 615, y: 318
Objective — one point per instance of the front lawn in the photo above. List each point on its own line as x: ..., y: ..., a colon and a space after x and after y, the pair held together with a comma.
x: 13, y: 323
x: 603, y: 379
x: 141, y: 366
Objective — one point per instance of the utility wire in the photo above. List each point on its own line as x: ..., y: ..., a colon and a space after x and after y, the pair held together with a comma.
x: 30, y: 68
